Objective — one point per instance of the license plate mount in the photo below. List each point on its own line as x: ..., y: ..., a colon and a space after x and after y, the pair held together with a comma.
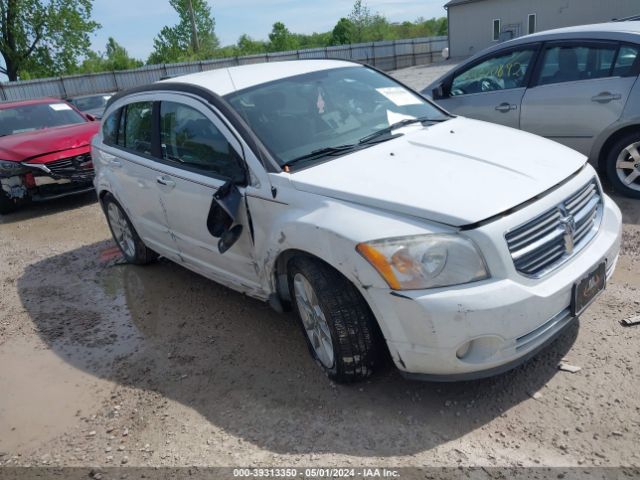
x: 586, y: 290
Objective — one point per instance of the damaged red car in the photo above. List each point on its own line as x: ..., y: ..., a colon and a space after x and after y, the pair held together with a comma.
x: 44, y: 151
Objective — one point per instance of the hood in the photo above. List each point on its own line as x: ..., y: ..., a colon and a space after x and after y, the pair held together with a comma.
x: 457, y: 172
x: 30, y: 145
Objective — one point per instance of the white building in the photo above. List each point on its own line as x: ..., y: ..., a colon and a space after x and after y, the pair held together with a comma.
x: 477, y: 24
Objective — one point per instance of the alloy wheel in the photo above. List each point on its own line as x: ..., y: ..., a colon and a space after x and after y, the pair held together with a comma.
x: 121, y: 230
x: 313, y: 319
x: 628, y: 166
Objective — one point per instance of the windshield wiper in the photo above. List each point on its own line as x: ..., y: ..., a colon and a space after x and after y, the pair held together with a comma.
x: 396, y: 125
x: 321, y: 152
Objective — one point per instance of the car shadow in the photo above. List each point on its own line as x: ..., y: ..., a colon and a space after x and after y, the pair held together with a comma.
x: 244, y: 367
x: 49, y: 207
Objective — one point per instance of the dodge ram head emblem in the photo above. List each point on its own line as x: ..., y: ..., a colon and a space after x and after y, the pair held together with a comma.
x: 569, y: 224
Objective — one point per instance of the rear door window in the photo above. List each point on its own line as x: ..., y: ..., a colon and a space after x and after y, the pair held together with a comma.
x: 572, y: 63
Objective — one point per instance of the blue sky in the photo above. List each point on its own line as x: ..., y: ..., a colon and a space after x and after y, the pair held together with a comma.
x: 134, y: 23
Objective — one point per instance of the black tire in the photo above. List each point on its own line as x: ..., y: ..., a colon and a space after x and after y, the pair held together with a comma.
x: 7, y: 205
x: 354, y: 332
x: 141, y: 254
x: 611, y: 169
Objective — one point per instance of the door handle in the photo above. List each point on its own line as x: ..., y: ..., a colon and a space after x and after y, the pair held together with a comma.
x: 116, y: 163
x: 606, y: 97
x: 166, y: 182
x: 506, y: 107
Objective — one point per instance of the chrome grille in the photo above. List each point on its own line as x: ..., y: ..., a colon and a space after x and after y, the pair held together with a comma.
x: 552, y: 238
x: 68, y: 167
x: 78, y: 168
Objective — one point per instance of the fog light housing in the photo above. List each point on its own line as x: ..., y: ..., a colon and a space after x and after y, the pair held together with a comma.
x: 480, y: 349
x: 463, y: 350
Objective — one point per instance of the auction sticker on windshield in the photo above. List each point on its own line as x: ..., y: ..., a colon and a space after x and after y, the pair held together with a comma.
x: 399, y: 96
x: 59, y: 107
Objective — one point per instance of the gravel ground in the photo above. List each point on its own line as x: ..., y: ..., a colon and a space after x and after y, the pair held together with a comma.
x: 421, y: 76
x: 107, y: 364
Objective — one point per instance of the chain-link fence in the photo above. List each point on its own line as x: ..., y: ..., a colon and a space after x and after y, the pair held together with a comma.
x: 387, y: 55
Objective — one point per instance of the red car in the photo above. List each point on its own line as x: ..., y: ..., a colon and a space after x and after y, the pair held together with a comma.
x: 45, y: 151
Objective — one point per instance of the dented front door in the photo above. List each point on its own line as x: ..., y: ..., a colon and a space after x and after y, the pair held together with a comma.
x: 199, y: 156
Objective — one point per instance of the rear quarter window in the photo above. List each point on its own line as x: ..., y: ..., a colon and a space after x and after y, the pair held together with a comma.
x: 110, y: 128
x: 627, y: 58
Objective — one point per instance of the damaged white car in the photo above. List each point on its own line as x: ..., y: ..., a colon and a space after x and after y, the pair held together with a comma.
x: 459, y: 246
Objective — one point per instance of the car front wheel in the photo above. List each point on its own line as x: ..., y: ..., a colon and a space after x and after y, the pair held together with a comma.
x: 338, y: 325
x: 129, y: 242
x: 623, y: 165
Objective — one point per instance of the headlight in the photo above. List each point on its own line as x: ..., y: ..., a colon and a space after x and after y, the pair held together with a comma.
x: 11, y: 168
x: 425, y: 261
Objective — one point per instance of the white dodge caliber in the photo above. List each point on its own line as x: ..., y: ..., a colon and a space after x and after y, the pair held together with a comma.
x: 459, y: 246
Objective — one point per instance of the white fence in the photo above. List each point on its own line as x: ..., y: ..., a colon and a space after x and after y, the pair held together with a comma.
x: 388, y: 55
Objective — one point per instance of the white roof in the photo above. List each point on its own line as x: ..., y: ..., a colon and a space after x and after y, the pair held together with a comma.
x: 226, y: 80
x: 623, y: 27
x: 617, y: 31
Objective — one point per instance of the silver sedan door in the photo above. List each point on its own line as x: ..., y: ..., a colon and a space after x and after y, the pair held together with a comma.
x: 491, y: 88
x: 579, y: 89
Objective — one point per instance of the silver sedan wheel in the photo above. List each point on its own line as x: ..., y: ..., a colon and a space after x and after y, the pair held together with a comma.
x: 313, y: 320
x: 628, y: 166
x: 121, y: 230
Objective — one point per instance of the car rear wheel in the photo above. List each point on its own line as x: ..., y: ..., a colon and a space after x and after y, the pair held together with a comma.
x: 129, y: 242
x: 623, y: 165
x: 338, y: 325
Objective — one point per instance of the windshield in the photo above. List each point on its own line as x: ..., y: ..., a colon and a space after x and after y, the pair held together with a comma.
x: 296, y: 116
x: 27, y: 118
x: 91, y: 103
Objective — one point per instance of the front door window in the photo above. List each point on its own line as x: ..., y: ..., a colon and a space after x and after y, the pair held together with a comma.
x: 500, y: 72
x: 191, y: 141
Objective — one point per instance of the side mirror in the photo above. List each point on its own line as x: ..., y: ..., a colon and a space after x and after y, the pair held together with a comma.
x: 438, y: 92
x: 90, y: 117
x: 221, y: 221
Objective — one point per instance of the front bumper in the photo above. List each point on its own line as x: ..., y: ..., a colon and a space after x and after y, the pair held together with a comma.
x: 42, y: 188
x: 50, y: 180
x: 508, y: 319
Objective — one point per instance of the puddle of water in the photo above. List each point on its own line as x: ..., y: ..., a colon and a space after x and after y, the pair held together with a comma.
x: 41, y: 395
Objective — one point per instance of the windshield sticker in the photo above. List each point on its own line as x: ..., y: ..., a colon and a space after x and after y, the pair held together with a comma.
x: 59, y: 106
x: 399, y: 96
x: 320, y: 103
x: 395, y: 117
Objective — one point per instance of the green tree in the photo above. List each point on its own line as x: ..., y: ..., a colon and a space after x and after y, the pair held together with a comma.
x: 378, y: 29
x: 44, y: 37
x: 116, y: 57
x: 314, y: 40
x: 361, y: 19
x: 343, y: 32
x: 177, y: 43
x: 249, y: 46
x: 281, y: 39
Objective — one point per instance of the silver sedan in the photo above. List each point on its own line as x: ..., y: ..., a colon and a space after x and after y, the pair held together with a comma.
x: 577, y: 86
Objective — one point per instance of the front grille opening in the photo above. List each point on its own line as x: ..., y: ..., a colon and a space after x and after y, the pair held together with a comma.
x: 552, y: 238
